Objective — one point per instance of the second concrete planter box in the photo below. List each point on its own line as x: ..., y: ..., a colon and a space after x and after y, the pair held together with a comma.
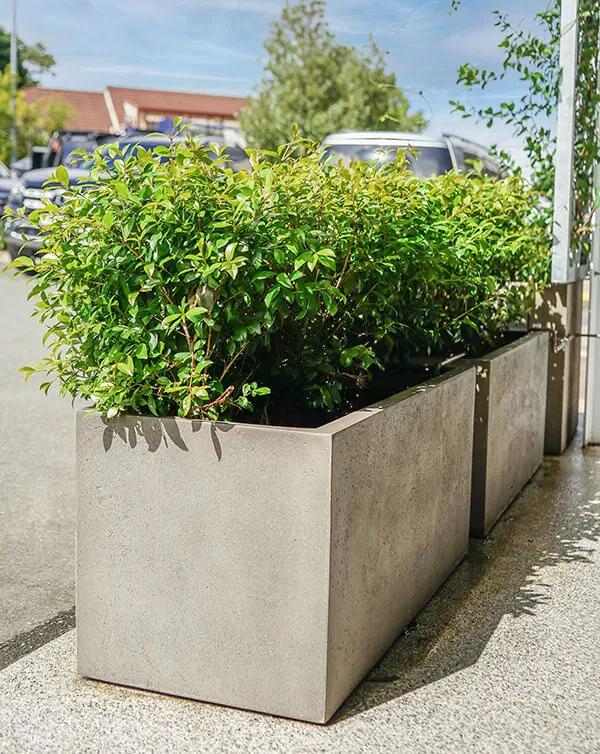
x: 510, y: 415
x: 264, y: 567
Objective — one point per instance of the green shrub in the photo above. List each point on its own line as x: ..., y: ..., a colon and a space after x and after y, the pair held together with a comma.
x: 175, y: 286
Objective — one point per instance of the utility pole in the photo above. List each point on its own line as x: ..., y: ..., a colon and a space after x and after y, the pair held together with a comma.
x: 13, y: 84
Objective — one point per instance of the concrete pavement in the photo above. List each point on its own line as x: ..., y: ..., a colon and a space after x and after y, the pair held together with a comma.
x: 37, y: 488
x: 504, y: 659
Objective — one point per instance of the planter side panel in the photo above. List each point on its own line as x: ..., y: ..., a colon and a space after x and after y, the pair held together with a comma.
x: 203, y: 554
x: 516, y: 410
x: 559, y: 309
x: 400, y: 520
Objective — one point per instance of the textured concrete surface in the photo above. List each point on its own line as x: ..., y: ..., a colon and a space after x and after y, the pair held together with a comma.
x: 203, y: 560
x: 401, y: 491
x: 559, y: 309
x: 510, y: 412
x: 37, y: 481
x: 264, y: 567
x: 504, y: 659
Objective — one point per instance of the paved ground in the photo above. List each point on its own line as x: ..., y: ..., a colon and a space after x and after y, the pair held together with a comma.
x: 37, y: 488
x: 504, y: 659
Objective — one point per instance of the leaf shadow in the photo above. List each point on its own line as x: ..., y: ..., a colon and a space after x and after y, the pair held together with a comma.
x: 155, y: 432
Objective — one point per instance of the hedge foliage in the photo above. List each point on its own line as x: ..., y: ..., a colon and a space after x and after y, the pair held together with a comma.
x: 174, y: 286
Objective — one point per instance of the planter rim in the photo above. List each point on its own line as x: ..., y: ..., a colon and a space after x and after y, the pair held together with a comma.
x: 327, y: 430
x: 527, y: 335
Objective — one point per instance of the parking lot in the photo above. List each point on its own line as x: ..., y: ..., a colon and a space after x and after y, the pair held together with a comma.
x: 37, y: 488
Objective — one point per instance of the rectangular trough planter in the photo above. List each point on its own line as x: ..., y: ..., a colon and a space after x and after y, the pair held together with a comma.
x: 267, y: 568
x: 510, y: 416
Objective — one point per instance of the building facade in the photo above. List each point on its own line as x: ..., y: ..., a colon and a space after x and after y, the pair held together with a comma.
x: 117, y: 109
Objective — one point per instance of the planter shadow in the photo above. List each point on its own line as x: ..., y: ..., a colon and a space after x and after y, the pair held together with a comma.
x: 504, y: 575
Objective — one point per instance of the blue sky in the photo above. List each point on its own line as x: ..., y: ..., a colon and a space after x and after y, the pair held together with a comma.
x: 215, y: 46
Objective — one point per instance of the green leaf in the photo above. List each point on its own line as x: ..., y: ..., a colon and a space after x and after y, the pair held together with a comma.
x: 196, y: 314
x: 122, y: 189
x: 262, y: 391
x: 62, y: 175
x: 126, y: 366
x: 269, y: 298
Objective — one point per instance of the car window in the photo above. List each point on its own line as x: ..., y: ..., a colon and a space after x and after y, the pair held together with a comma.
x: 426, y: 161
x: 470, y: 161
x: 237, y: 159
x: 491, y: 168
x: 4, y: 171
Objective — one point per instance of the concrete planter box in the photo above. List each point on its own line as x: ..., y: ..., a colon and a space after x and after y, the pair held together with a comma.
x: 559, y: 309
x: 510, y: 416
x: 267, y: 568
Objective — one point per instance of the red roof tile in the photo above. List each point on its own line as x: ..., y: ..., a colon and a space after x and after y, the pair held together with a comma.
x: 174, y: 103
x: 90, y: 111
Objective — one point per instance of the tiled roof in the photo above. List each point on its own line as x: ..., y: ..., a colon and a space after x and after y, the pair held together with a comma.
x: 174, y: 103
x: 91, y: 109
x: 90, y: 112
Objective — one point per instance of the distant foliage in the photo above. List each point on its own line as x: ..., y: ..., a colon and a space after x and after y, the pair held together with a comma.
x: 322, y: 86
x: 533, y: 57
x: 174, y: 286
x: 36, y: 121
x: 33, y: 60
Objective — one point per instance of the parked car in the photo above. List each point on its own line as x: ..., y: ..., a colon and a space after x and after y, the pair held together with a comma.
x: 432, y: 156
x: 7, y: 181
x: 18, y: 167
x: 23, y: 238
x: 30, y: 190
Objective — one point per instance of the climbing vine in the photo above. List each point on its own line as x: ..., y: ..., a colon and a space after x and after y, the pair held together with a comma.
x: 532, y: 55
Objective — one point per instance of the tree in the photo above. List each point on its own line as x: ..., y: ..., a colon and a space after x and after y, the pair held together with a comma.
x: 33, y: 60
x: 321, y: 85
x: 36, y: 121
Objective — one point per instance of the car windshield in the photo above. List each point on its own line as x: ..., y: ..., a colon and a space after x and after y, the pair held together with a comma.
x: 426, y: 161
x: 66, y: 156
x: 236, y: 157
x: 129, y: 149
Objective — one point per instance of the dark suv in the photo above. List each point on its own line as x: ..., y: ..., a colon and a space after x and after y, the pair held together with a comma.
x: 23, y: 238
x: 29, y: 191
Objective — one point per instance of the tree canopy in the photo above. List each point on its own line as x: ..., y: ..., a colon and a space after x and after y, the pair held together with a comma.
x: 33, y: 60
x: 322, y: 86
x: 36, y: 121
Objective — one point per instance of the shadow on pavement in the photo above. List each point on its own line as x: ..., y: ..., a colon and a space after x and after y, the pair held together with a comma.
x: 554, y: 520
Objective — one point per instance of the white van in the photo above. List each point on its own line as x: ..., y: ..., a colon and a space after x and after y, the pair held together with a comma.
x: 435, y: 156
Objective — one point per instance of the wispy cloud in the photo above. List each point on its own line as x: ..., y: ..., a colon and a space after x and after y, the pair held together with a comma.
x: 227, y: 52
x: 483, y: 41
x: 158, y: 73
x: 159, y: 9
x: 267, y: 7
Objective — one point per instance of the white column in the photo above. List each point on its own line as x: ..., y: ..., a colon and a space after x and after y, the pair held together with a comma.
x: 563, y: 270
x: 592, y: 398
